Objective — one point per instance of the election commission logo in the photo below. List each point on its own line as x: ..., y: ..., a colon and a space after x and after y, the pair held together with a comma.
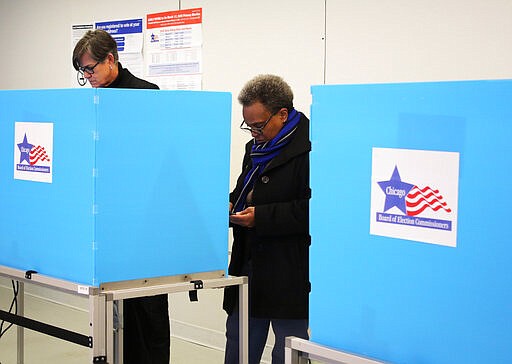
x: 414, y: 195
x: 412, y: 200
x: 32, y: 157
x: 33, y: 151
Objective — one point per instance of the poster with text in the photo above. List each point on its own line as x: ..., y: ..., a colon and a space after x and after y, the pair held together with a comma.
x: 174, y: 49
x: 129, y: 39
x: 77, y: 33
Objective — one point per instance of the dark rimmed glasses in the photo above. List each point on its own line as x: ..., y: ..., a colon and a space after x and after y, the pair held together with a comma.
x: 88, y: 69
x: 256, y: 129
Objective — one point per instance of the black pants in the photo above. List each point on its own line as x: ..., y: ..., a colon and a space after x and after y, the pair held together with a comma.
x: 146, y: 330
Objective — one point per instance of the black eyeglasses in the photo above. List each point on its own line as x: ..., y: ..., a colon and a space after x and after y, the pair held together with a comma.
x: 88, y: 69
x: 256, y: 129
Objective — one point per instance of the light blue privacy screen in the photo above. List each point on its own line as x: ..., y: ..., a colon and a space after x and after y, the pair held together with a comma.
x: 404, y: 301
x: 139, y: 187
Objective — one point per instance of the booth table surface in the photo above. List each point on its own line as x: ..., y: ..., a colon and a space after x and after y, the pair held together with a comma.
x: 401, y: 300
x: 139, y: 183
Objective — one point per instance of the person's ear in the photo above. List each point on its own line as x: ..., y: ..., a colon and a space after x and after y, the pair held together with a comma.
x: 111, y: 60
x: 283, y: 114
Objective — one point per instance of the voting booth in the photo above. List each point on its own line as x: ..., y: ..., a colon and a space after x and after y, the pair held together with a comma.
x: 410, y: 254
x: 103, y: 185
x: 113, y: 194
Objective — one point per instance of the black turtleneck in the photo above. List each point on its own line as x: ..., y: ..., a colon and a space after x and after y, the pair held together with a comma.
x: 125, y: 79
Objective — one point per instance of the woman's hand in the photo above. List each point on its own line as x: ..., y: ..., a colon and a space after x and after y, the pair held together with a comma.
x: 244, y: 218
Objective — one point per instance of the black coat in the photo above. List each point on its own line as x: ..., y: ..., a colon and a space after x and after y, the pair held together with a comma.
x: 125, y: 79
x: 279, y: 242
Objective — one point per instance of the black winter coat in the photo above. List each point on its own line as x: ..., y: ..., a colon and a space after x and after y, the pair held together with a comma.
x: 125, y: 79
x: 279, y: 242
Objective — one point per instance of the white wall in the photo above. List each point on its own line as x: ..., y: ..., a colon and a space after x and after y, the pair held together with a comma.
x: 367, y: 41
x: 306, y: 42
x: 372, y: 41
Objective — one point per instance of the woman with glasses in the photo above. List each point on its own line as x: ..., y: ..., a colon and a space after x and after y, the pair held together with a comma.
x: 146, y: 319
x: 96, y: 59
x: 269, y: 214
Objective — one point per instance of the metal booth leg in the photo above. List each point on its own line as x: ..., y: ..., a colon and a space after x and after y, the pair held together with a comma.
x: 243, y: 322
x: 20, y: 332
x: 97, y: 322
x: 118, y: 331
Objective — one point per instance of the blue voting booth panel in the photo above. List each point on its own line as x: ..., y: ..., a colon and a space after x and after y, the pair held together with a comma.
x: 404, y: 300
x: 139, y: 183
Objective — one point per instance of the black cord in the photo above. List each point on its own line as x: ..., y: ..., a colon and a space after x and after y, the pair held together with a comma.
x: 14, y: 304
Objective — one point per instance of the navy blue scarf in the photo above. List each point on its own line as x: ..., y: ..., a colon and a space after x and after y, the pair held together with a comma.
x: 263, y: 153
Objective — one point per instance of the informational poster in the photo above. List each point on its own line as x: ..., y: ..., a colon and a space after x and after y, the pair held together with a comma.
x: 33, y: 151
x: 129, y: 39
x: 174, y: 49
x: 78, y: 31
x: 414, y: 195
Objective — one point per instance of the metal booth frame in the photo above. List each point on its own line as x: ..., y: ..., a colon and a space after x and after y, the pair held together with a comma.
x: 105, y: 340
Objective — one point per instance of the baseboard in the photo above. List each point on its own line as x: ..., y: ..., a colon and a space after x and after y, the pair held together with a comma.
x: 209, y: 338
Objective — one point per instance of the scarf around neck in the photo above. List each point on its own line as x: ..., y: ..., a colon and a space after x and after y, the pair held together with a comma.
x: 264, y: 152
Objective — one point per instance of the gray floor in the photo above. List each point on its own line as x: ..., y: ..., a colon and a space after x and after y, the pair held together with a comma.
x: 43, y: 349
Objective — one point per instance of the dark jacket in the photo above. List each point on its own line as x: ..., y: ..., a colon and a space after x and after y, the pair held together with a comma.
x: 125, y: 79
x: 279, y: 243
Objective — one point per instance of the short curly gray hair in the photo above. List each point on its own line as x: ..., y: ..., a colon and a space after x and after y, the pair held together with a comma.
x: 271, y: 90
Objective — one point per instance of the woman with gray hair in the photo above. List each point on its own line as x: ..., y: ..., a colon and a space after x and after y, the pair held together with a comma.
x: 269, y: 214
